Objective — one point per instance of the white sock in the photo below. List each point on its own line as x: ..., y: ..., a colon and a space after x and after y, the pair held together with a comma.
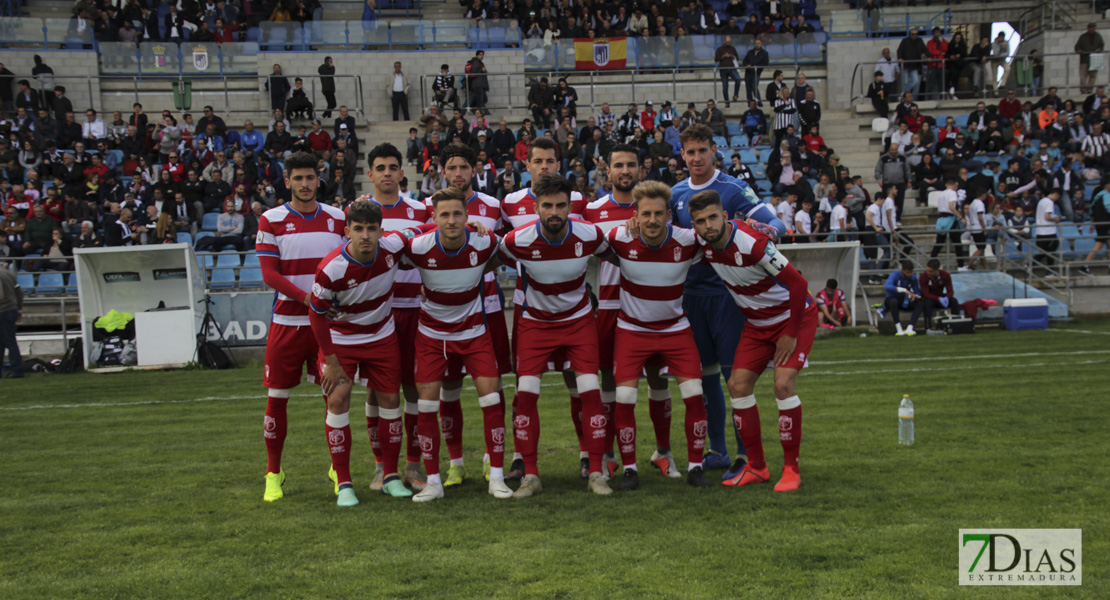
x: 518, y: 456
x: 632, y: 466
x: 485, y: 458
x: 496, y: 473
x: 898, y: 327
x: 692, y: 466
x: 434, y: 480
x: 456, y: 462
x: 909, y: 328
x: 583, y: 454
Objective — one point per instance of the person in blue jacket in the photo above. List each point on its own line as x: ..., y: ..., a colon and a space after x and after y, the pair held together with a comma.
x: 903, y: 292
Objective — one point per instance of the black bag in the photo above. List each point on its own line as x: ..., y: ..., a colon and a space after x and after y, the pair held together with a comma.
x: 212, y: 356
x: 74, y: 358
x: 957, y: 325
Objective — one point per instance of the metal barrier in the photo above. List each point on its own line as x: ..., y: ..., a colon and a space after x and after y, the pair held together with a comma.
x: 40, y: 34
x: 881, y: 26
x: 863, y: 74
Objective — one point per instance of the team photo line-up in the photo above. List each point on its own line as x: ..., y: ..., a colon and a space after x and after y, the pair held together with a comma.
x: 402, y: 295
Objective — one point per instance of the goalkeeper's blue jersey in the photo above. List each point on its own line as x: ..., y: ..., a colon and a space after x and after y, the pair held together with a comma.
x: 739, y: 202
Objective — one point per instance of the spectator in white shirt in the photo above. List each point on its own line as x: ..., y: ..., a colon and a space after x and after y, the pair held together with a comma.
x: 976, y: 226
x: 1045, y: 225
x: 93, y: 129
x: 803, y: 224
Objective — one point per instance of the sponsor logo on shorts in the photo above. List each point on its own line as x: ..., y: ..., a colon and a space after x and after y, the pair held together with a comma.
x: 801, y: 357
x: 498, y: 435
x: 336, y: 437
x: 627, y: 435
x: 699, y: 429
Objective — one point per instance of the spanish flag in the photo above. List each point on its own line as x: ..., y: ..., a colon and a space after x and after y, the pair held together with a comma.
x: 592, y: 54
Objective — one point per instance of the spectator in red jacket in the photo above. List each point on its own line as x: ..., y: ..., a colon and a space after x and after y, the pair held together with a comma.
x: 937, y: 48
x: 914, y: 119
x: 647, y: 118
x: 937, y: 291
x: 1009, y: 107
x: 319, y: 140
x: 949, y: 130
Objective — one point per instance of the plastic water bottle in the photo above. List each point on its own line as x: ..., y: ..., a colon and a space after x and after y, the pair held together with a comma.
x: 905, y: 421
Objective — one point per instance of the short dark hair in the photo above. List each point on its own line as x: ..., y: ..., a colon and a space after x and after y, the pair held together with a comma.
x: 364, y: 211
x: 60, y: 88
x: 832, y: 284
x: 385, y: 150
x: 456, y: 149
x: 698, y: 132
x: 622, y: 148
x: 705, y: 199
x: 907, y: 265
x: 301, y: 160
x: 543, y: 143
x: 448, y: 194
x: 550, y: 184
x: 933, y: 263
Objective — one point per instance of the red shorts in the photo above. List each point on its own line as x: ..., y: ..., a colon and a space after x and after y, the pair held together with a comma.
x: 676, y: 351
x: 288, y: 348
x: 756, y: 349
x: 539, y: 344
x: 405, y: 322
x: 606, y: 337
x: 558, y: 360
x: 377, y: 364
x: 433, y: 356
x: 498, y: 333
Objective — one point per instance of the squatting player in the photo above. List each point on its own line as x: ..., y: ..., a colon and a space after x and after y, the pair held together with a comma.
x: 781, y: 325
x: 458, y: 162
x: 654, y: 260
x: 607, y: 213
x: 357, y: 280
x: 292, y: 240
x: 452, y: 261
x: 519, y: 209
x: 714, y: 318
x: 553, y: 254
x: 384, y: 167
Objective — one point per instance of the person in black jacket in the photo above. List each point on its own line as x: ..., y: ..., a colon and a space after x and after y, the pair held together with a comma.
x: 327, y: 85
x: 278, y: 86
x: 877, y: 93
x: 754, y: 62
x: 911, y: 53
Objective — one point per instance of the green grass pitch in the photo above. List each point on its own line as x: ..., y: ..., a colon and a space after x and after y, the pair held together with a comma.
x: 149, y: 485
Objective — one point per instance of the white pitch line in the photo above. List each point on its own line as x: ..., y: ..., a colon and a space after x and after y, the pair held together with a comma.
x: 1087, y: 331
x: 928, y: 369
x: 947, y: 358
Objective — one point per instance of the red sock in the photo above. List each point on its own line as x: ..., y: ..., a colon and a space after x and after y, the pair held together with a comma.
x: 790, y: 429
x: 526, y: 429
x: 594, y: 423
x: 625, y: 415
x: 389, y: 424
x: 695, y: 428
x: 412, y: 448
x: 660, y: 411
x: 338, y: 428
x: 428, y: 426
x: 610, y: 424
x: 576, y: 418
x: 493, y: 426
x: 372, y: 418
x: 451, y: 421
x: 273, y: 431
x: 747, y: 422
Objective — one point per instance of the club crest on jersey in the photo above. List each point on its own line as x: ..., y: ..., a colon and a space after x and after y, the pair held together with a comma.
x: 736, y: 257
x: 677, y: 254
x: 473, y: 258
x: 389, y: 261
x: 331, y: 225
x: 482, y: 209
x: 578, y: 248
x: 409, y: 212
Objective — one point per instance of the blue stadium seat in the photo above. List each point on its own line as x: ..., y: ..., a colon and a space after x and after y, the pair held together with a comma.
x: 184, y: 237
x: 757, y: 171
x: 720, y: 141
x: 71, y: 288
x: 207, y: 260
x: 764, y: 155
x: 748, y: 157
x: 961, y: 121
x: 209, y: 222
x: 740, y: 141
x: 734, y: 129
x: 228, y: 260
x: 51, y: 282
x: 525, y: 179
x: 222, y: 279
x: 250, y: 260
x: 250, y: 277
x: 26, y: 281
x: 941, y: 120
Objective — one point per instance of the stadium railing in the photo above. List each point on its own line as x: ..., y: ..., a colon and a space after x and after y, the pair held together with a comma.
x: 1019, y: 66
x: 880, y: 25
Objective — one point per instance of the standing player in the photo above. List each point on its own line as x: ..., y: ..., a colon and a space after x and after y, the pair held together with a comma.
x: 519, y: 209
x: 608, y: 213
x: 781, y: 325
x: 654, y: 260
x: 458, y: 162
x: 292, y: 240
x: 716, y: 321
x: 398, y: 212
x: 553, y: 254
x: 452, y: 329
x: 357, y: 280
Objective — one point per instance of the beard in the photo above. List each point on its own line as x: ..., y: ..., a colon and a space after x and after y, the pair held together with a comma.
x: 554, y: 228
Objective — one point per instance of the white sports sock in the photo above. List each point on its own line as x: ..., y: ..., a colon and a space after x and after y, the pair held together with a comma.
x: 898, y: 327
x: 632, y: 466
x: 496, y: 473
x: 456, y: 462
x: 583, y: 454
x: 692, y: 466
x: 518, y: 456
x: 434, y: 480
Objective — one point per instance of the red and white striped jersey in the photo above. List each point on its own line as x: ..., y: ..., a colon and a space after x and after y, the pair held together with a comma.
x: 406, y: 213
x: 652, y: 279
x: 360, y: 292
x: 486, y: 210
x: 607, y: 214
x: 452, y: 308
x: 740, y: 265
x: 519, y: 209
x: 555, y: 273
x: 299, y: 242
